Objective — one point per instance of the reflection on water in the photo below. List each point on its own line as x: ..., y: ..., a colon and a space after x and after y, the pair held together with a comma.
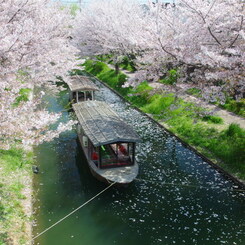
x: 177, y: 198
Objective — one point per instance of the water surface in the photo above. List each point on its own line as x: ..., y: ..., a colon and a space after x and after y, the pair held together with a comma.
x: 177, y: 198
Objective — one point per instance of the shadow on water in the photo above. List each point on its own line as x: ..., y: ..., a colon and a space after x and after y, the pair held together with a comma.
x: 167, y: 204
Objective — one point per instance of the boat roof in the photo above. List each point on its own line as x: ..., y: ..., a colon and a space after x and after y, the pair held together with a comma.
x: 81, y: 83
x: 102, y: 125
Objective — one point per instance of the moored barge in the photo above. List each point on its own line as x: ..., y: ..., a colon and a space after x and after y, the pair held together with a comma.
x: 107, y: 141
x: 81, y: 89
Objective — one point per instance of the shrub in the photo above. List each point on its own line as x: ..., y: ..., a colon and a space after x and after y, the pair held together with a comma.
x: 127, y: 64
x: 158, y: 103
x: 237, y: 107
x: 95, y: 67
x: 213, y: 119
x: 234, y: 130
x: 140, y: 96
x: 171, y: 78
x: 193, y: 91
x: 24, y: 94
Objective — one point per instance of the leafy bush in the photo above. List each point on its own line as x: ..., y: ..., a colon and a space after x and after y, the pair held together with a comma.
x: 108, y: 76
x: 139, y: 96
x: 193, y: 91
x: 158, y: 103
x: 105, y: 57
x: 213, y: 119
x: 171, y: 78
x: 227, y: 146
x: 237, y: 107
x: 127, y: 64
x: 24, y: 94
x: 95, y: 67
x: 234, y: 130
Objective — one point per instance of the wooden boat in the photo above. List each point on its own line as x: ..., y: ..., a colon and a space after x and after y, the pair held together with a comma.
x: 81, y: 88
x: 107, y: 141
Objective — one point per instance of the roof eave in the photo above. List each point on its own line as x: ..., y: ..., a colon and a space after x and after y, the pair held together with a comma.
x: 115, y: 142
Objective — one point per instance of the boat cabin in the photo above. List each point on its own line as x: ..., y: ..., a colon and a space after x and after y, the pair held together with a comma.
x: 81, y: 88
x: 107, y: 140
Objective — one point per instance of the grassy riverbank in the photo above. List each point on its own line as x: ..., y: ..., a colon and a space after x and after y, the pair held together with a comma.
x: 15, y: 196
x: 223, y: 146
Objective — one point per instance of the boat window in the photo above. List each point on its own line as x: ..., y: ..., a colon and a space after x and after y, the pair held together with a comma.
x: 81, y: 96
x: 89, y: 95
x: 116, y: 155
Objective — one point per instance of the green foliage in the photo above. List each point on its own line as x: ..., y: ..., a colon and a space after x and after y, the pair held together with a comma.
x: 96, y: 67
x: 194, y: 91
x: 22, y: 73
x: 15, y: 164
x: 229, y: 149
x: 143, y: 87
x: 171, y: 78
x: 3, y: 236
x: 158, y: 103
x: 13, y: 156
x: 24, y: 94
x: 139, y: 96
x: 213, y: 119
x: 107, y: 75
x: 74, y: 8
x: 234, y: 130
x: 104, y: 57
x: 237, y: 107
x: 127, y: 64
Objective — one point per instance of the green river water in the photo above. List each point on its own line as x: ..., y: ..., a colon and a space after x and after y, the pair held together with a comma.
x: 178, y: 198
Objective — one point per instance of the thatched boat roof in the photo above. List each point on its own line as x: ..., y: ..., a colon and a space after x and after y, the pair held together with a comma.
x: 102, y: 125
x: 81, y: 83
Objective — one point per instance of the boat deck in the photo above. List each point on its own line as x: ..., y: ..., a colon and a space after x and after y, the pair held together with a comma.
x: 121, y: 175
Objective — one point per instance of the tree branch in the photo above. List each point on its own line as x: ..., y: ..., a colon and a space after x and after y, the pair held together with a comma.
x: 17, y: 11
x: 210, y: 9
x: 238, y: 33
x: 215, y: 38
x: 166, y: 51
x: 203, y: 18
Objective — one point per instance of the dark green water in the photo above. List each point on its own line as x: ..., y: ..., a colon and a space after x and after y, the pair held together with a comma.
x: 177, y: 199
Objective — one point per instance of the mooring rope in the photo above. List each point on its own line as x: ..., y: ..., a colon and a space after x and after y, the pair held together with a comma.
x: 91, y: 199
x: 190, y: 186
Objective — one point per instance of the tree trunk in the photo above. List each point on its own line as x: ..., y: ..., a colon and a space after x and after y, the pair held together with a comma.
x: 117, y: 68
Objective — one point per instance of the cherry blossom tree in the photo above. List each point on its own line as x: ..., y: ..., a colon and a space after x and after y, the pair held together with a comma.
x: 195, y: 36
x: 109, y: 27
x: 207, y: 41
x: 35, y: 48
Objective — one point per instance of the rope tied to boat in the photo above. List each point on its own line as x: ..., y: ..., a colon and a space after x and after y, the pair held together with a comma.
x: 56, y: 223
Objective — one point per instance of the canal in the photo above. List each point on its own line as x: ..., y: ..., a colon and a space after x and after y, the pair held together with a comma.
x: 177, y: 198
